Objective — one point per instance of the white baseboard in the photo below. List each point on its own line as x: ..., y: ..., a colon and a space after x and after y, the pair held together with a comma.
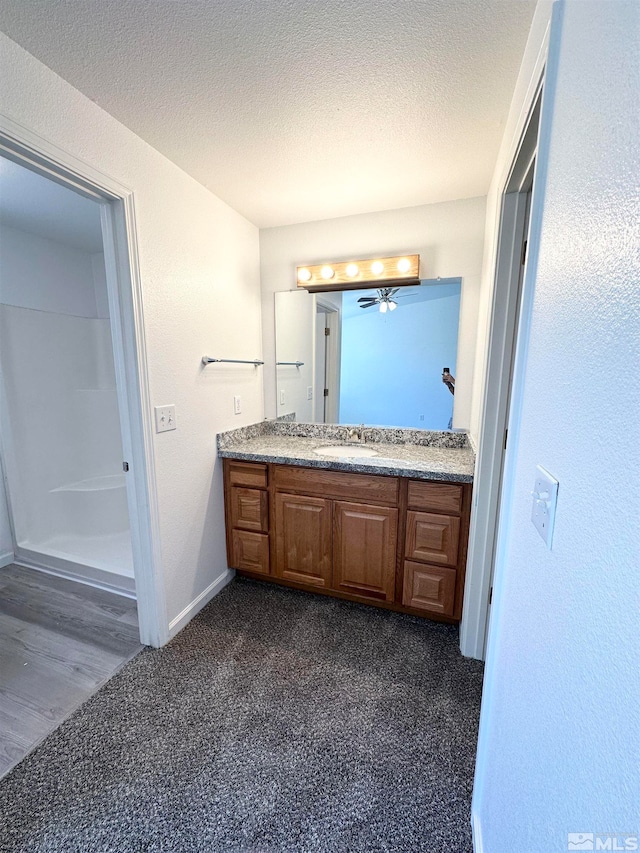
x: 185, y: 616
x: 476, y: 831
x: 6, y: 559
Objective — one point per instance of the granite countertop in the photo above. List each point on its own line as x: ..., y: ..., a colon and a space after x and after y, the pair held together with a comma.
x: 429, y: 460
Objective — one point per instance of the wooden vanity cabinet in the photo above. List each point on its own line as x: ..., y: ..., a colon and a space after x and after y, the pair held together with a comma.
x: 247, y: 516
x: 389, y: 541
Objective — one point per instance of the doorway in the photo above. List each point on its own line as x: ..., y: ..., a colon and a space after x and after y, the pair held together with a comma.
x: 511, y: 264
x: 60, y: 424
x: 327, y: 361
x: 131, y: 406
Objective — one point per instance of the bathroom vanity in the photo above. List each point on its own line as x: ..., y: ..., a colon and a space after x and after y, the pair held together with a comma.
x: 388, y: 529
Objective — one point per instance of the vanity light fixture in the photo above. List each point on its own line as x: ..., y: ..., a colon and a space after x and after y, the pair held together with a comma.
x: 358, y: 274
x: 327, y: 272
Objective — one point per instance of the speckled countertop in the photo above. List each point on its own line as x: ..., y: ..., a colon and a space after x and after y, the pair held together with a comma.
x: 438, y: 456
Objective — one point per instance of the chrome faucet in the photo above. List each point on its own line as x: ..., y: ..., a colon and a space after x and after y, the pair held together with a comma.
x: 356, y: 434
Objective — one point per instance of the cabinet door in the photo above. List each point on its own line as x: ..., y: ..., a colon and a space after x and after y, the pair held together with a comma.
x: 364, y: 549
x: 432, y: 538
x: 429, y: 588
x: 303, y: 539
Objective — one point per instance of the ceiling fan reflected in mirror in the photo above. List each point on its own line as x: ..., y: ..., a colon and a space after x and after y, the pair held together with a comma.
x: 386, y: 299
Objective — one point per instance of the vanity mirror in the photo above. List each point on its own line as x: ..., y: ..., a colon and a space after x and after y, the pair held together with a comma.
x: 372, y: 356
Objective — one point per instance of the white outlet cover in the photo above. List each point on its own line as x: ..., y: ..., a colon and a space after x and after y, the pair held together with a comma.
x: 309, y: 392
x: 237, y: 408
x: 543, y: 508
x: 282, y: 398
x: 165, y: 418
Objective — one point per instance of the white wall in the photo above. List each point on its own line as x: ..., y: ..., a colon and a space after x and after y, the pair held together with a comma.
x: 199, y: 266
x: 559, y: 747
x: 29, y: 264
x: 449, y: 238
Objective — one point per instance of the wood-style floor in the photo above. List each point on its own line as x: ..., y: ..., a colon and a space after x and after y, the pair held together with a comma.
x: 59, y: 642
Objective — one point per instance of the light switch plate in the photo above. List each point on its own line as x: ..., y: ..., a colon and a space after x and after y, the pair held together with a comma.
x: 309, y: 392
x: 282, y: 398
x: 543, y: 509
x: 165, y: 418
x: 237, y: 408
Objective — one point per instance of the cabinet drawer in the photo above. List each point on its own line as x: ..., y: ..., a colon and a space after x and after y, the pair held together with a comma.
x: 432, y: 538
x: 429, y: 588
x: 439, y: 497
x: 250, y: 551
x: 247, y: 474
x: 368, y: 488
x: 249, y: 509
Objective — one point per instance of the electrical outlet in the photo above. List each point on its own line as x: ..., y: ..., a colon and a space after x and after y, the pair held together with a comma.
x: 282, y: 398
x: 237, y: 408
x: 165, y: 418
x: 309, y: 392
x: 420, y: 417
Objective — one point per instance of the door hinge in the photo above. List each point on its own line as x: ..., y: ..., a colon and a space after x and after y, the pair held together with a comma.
x: 326, y: 392
x: 327, y: 331
x: 490, y: 595
x: 524, y: 252
x: 125, y: 466
x: 506, y: 437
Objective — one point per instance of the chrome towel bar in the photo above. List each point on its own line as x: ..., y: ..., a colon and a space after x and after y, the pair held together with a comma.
x: 207, y: 360
x: 293, y: 363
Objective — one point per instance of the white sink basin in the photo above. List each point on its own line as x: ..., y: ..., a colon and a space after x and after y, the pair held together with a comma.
x: 347, y: 451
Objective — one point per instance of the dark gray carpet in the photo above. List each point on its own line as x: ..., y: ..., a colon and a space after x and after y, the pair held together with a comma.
x: 276, y: 721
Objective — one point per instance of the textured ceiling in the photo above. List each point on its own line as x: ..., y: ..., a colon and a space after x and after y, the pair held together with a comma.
x: 295, y: 110
x: 42, y: 207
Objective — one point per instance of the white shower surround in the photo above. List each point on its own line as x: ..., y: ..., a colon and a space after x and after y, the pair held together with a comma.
x: 60, y: 420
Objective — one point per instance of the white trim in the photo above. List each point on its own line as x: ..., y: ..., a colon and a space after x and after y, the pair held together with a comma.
x: 6, y: 559
x: 476, y: 833
x: 48, y: 565
x: 125, y: 296
x: 186, y: 615
x: 482, y: 533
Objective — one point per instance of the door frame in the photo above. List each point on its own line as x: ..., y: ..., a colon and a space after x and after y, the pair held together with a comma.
x: 124, y: 288
x: 332, y: 355
x: 509, y: 321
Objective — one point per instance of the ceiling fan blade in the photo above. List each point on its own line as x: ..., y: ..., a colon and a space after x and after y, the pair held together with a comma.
x: 368, y: 299
x: 368, y: 305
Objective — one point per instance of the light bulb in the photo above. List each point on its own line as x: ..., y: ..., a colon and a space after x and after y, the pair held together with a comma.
x: 377, y: 267
x: 304, y: 274
x: 327, y: 272
x: 392, y: 306
x: 404, y: 265
x: 352, y: 270
x: 383, y: 307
